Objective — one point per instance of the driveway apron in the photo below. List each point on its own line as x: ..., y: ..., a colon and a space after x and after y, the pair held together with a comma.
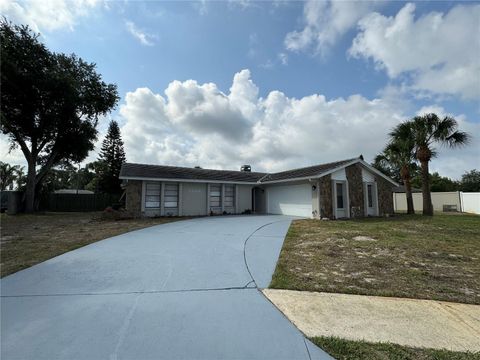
x: 183, y: 290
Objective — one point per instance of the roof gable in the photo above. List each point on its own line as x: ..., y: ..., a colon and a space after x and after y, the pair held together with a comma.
x: 305, y: 172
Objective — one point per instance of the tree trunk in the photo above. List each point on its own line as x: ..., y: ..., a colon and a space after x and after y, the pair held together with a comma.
x: 427, y: 197
x: 30, y: 188
x: 406, y: 177
x: 408, y: 193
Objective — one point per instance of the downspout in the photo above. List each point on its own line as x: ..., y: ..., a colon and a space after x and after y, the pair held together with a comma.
x: 317, y: 190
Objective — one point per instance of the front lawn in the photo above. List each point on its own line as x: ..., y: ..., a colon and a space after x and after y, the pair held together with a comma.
x: 361, y: 350
x: 27, y: 240
x: 406, y: 256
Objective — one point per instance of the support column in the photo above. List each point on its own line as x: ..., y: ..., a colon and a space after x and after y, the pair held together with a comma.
x: 222, y: 197
x: 208, y: 199
x: 180, y: 198
x: 162, y: 199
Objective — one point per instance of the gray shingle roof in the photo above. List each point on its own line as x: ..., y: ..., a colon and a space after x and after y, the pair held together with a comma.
x: 309, y: 171
x: 401, y: 189
x: 184, y: 173
x: 130, y: 170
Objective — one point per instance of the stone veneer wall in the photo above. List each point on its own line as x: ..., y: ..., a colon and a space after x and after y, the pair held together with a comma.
x: 326, y: 210
x: 355, y: 190
x: 385, y: 196
x: 133, y: 196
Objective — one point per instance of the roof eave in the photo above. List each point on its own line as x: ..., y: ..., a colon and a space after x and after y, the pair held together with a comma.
x: 331, y: 171
x: 142, y: 178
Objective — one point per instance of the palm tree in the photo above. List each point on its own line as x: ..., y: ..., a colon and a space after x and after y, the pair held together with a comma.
x: 399, y: 155
x: 426, y: 131
x: 9, y: 175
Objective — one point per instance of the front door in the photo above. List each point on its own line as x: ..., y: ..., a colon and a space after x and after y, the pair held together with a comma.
x: 371, y: 199
x: 340, y: 199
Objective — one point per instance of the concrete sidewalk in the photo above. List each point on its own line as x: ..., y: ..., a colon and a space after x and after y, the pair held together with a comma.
x: 410, y: 322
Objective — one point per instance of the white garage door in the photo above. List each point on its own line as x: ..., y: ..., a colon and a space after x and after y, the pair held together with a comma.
x: 290, y: 200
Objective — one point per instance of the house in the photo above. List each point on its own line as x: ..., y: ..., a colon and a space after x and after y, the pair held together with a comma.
x: 74, y: 191
x: 341, y: 189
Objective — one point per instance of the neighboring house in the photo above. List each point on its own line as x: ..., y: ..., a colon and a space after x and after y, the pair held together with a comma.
x: 342, y: 189
x: 74, y: 191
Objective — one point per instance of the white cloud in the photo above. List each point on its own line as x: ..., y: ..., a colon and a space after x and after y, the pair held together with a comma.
x: 242, y: 4
x: 144, y: 38
x: 325, y: 23
x: 201, y: 7
x: 283, y: 58
x: 48, y: 15
x: 438, y: 52
x: 197, y: 124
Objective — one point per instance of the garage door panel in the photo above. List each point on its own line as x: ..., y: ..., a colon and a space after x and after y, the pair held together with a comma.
x: 293, y: 200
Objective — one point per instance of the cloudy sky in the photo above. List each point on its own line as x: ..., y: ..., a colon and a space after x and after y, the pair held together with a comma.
x: 273, y: 84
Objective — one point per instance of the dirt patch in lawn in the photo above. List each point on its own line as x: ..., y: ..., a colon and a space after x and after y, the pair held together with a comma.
x: 405, y: 256
x: 27, y: 240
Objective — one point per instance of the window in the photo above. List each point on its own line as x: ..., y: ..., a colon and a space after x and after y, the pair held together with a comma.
x: 171, y: 196
x: 370, y: 195
x: 229, y: 200
x: 152, y: 195
x: 215, y: 196
x: 339, y: 187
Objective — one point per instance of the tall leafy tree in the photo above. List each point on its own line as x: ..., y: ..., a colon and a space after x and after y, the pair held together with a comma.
x: 50, y: 104
x: 438, y: 183
x: 470, y: 181
x: 426, y: 132
x: 386, y: 165
x: 399, y: 158
x: 112, y: 156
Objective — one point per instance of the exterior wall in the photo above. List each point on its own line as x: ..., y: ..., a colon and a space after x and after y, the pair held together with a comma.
x: 194, y: 199
x: 438, y: 200
x: 355, y: 190
x: 244, y: 198
x: 133, y: 196
x: 356, y: 177
x: 367, y: 176
x: 326, y: 205
x: 340, y: 175
x: 385, y: 198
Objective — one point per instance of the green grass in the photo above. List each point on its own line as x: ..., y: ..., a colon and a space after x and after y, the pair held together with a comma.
x: 405, y: 256
x: 27, y: 239
x: 361, y: 350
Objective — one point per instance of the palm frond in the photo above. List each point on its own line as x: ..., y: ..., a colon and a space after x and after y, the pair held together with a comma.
x: 457, y: 139
x: 444, y: 128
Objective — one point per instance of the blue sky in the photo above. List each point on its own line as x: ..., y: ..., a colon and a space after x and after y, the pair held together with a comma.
x: 322, y: 80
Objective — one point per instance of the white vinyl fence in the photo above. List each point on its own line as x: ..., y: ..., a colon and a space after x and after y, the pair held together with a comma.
x: 470, y: 202
x: 442, y: 201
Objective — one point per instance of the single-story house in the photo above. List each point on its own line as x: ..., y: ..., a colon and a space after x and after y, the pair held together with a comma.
x: 341, y: 189
x: 74, y: 191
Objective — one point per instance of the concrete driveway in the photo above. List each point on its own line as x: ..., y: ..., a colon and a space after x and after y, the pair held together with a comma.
x: 183, y: 290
